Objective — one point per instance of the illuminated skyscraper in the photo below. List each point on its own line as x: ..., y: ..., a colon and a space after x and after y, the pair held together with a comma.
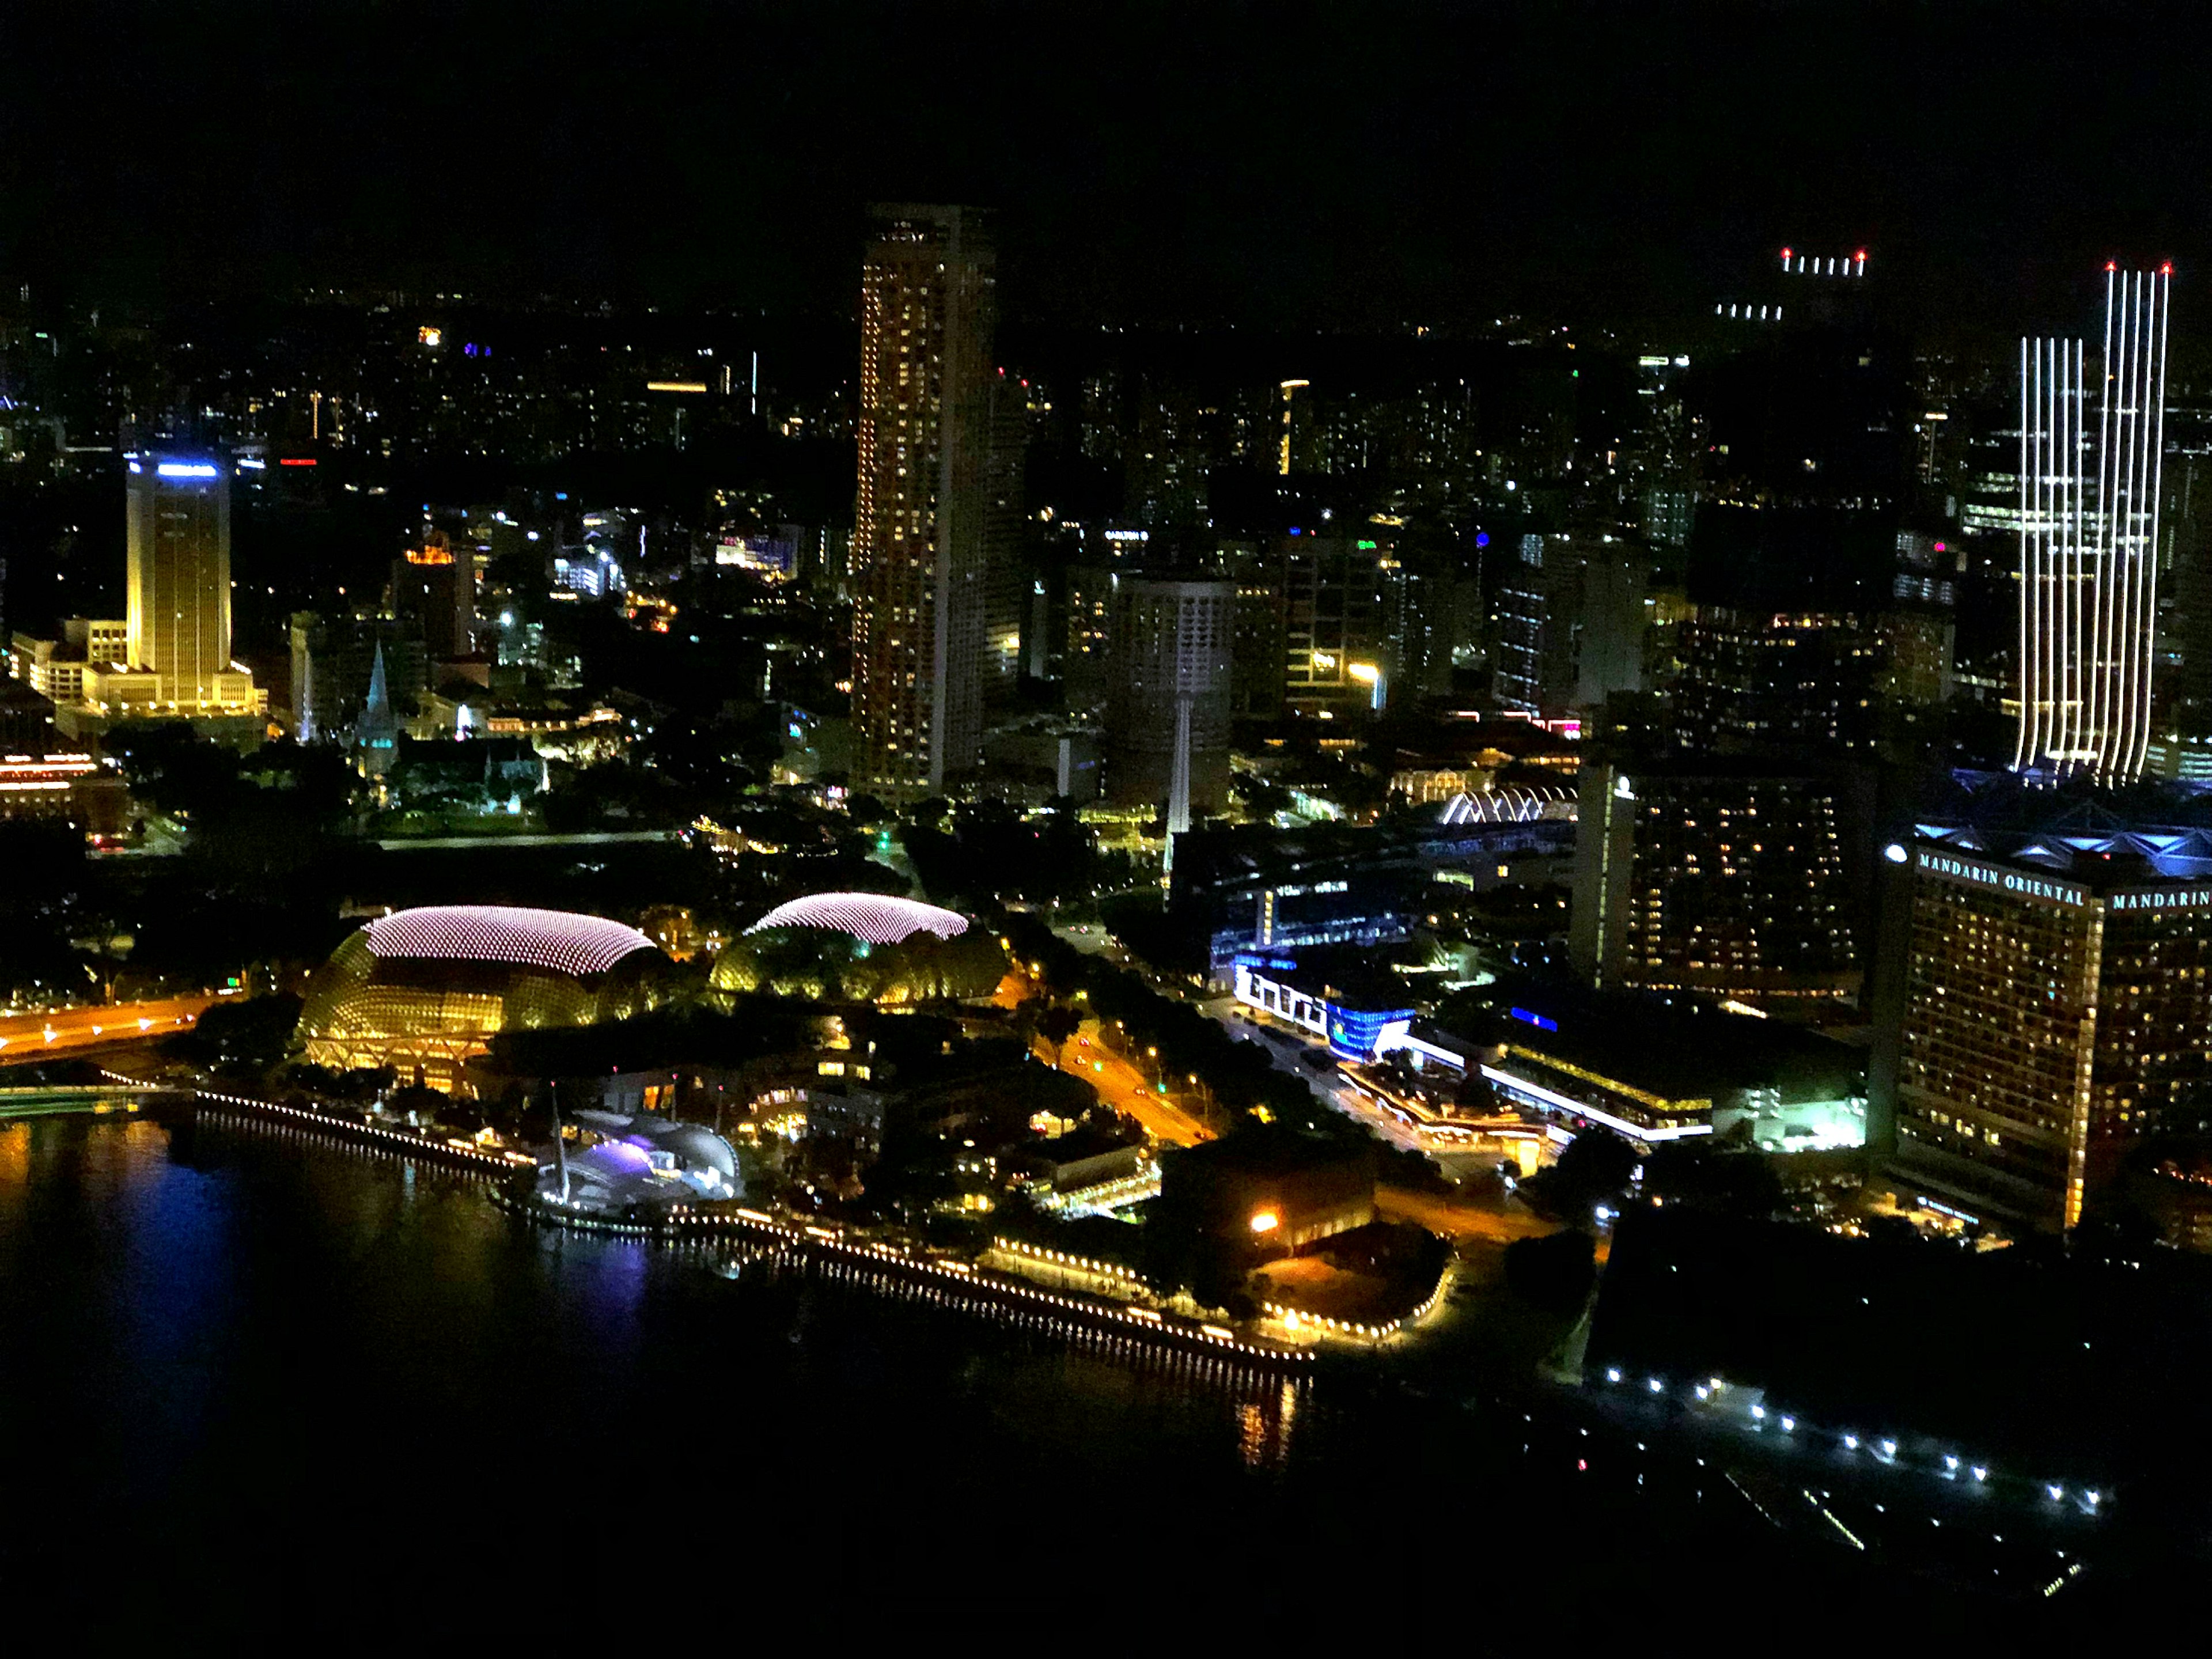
x: 2089, y: 550
x: 920, y: 547
x: 180, y: 579
x: 170, y: 658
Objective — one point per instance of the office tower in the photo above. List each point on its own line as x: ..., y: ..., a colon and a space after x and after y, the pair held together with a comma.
x: 178, y: 589
x: 2088, y: 549
x: 170, y: 657
x: 921, y: 566
x: 435, y: 588
x: 1735, y: 879
x: 1333, y: 624
x: 1167, y: 734
x: 1539, y: 598
x: 2054, y: 1010
x: 1806, y: 462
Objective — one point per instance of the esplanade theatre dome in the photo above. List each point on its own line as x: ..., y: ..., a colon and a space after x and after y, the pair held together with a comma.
x: 862, y: 947
x: 425, y: 991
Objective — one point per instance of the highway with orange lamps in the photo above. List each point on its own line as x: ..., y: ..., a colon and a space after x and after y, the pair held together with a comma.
x: 27, y: 1037
x: 1125, y: 1087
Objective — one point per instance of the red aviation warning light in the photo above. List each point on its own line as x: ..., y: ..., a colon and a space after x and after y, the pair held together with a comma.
x: 2167, y: 269
x: 2112, y: 266
x: 1786, y: 256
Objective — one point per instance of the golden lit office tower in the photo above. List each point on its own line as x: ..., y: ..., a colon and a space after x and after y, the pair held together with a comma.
x: 178, y: 592
x: 2055, y: 1011
x: 921, y: 537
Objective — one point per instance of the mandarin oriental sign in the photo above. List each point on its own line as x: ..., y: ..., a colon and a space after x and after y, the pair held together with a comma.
x: 2024, y: 882
x: 2181, y: 899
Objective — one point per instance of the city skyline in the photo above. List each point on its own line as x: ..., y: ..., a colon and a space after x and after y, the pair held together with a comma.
x: 1349, y: 773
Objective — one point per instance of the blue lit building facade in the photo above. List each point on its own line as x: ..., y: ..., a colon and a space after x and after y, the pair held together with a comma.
x: 1354, y: 1012
x: 1255, y: 888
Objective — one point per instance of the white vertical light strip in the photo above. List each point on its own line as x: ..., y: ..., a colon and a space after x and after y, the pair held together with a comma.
x: 2127, y: 463
x: 2164, y: 291
x: 2031, y: 610
x: 2088, y: 557
x: 2112, y: 756
x: 2134, y: 641
x: 2051, y: 712
x: 2060, y: 623
x: 2101, y: 568
x: 2064, y: 604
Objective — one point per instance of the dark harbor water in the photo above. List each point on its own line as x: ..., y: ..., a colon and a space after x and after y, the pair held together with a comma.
x: 235, y: 1360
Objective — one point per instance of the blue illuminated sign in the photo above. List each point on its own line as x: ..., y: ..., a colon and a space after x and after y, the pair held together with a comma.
x: 1482, y: 538
x: 1536, y: 1020
x: 1280, y: 964
x: 187, y: 470
x: 1353, y: 1035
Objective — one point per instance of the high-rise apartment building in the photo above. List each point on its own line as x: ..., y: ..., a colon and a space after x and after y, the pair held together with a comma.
x: 2089, y: 545
x: 1733, y: 879
x: 921, y: 561
x: 1167, y: 734
x: 2053, y: 1009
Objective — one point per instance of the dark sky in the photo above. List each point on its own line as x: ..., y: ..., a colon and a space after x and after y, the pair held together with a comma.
x: 1274, y: 164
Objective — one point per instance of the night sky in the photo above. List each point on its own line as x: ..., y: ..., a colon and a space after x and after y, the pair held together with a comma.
x: 1277, y: 165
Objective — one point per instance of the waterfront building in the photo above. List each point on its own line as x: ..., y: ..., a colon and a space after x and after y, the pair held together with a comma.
x: 920, y: 551
x: 628, y: 1167
x: 2051, y: 1009
x: 425, y: 992
x: 862, y: 947
x: 1651, y: 1067
x: 1273, y: 1190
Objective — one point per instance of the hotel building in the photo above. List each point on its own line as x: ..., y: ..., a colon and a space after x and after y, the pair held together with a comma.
x: 2054, y: 1007
x: 1734, y: 878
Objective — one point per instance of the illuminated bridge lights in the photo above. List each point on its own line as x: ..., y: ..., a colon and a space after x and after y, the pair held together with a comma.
x: 878, y: 918
x: 558, y: 939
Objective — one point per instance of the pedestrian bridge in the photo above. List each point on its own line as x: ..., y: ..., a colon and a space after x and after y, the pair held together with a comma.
x: 53, y: 1099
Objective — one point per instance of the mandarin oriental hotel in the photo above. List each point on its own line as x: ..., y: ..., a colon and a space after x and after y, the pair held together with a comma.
x: 2056, y: 1010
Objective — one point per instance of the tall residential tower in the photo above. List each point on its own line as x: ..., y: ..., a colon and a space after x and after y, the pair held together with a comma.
x: 2089, y: 547
x: 919, y: 546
